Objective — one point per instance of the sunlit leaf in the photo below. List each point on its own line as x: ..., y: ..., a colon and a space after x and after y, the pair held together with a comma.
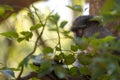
x: 35, y: 27
x: 63, y: 23
x: 54, y: 18
x: 34, y: 67
x: 69, y: 59
x: 10, y: 34
x: 74, y: 48
x: 48, y: 50
x: 75, y: 7
x: 27, y: 35
x: 20, y: 39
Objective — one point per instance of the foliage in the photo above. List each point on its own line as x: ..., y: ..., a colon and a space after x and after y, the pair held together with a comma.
x: 98, y: 64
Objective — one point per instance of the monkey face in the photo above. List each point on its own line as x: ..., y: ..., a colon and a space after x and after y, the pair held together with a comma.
x: 84, y: 26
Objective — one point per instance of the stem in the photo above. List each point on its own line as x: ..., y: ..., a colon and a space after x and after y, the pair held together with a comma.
x: 59, y: 43
x: 36, y: 42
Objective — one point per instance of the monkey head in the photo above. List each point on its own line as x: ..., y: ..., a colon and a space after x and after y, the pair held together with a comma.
x: 88, y: 26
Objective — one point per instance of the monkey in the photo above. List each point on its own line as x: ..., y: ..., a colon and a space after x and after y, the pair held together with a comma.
x: 85, y: 26
x: 88, y: 26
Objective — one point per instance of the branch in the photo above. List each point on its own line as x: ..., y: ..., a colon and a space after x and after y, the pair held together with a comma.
x: 21, y: 71
x: 50, y: 76
x: 35, y: 46
x: 28, y: 76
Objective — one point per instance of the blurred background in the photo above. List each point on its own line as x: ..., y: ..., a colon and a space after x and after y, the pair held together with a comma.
x: 15, y: 15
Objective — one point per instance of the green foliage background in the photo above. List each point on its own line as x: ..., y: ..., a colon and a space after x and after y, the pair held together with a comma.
x: 29, y: 46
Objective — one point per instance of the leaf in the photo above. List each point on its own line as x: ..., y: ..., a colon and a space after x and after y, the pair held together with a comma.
x: 69, y: 59
x: 8, y: 72
x: 108, y: 7
x: 85, y: 70
x: 74, y: 48
x: 35, y: 27
x: 57, y: 48
x: 48, y: 50
x: 45, y: 68
x: 54, y: 18
x: 60, y: 56
x: 74, y: 71
x: 10, y: 34
x: 60, y: 72
x: 20, y: 39
x: 108, y: 38
x: 75, y: 7
x: 24, y: 62
x: 34, y: 67
x: 27, y: 35
x: 62, y: 24
x: 84, y: 59
x: 2, y: 11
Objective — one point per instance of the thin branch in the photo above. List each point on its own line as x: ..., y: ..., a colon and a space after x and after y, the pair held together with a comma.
x: 21, y: 71
x: 59, y: 43
x: 35, y: 46
x: 40, y: 35
x: 28, y: 76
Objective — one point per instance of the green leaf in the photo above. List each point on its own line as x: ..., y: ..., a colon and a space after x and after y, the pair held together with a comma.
x: 10, y: 34
x: 63, y: 23
x: 60, y: 56
x: 57, y: 48
x: 2, y: 11
x: 60, y: 72
x: 48, y: 50
x: 74, y: 48
x: 74, y: 71
x: 54, y: 18
x: 69, y: 59
x: 8, y: 73
x: 24, y: 62
x: 85, y: 70
x: 108, y: 7
x: 108, y: 38
x: 75, y: 7
x: 34, y: 67
x: 45, y: 68
x: 35, y: 27
x: 27, y: 35
x: 20, y: 39
x: 84, y: 59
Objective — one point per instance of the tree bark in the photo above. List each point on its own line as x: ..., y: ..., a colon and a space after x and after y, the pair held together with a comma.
x: 17, y: 5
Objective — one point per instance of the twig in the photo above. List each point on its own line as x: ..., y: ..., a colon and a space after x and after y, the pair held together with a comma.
x: 59, y: 43
x: 28, y: 76
x: 21, y: 71
x: 36, y: 42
